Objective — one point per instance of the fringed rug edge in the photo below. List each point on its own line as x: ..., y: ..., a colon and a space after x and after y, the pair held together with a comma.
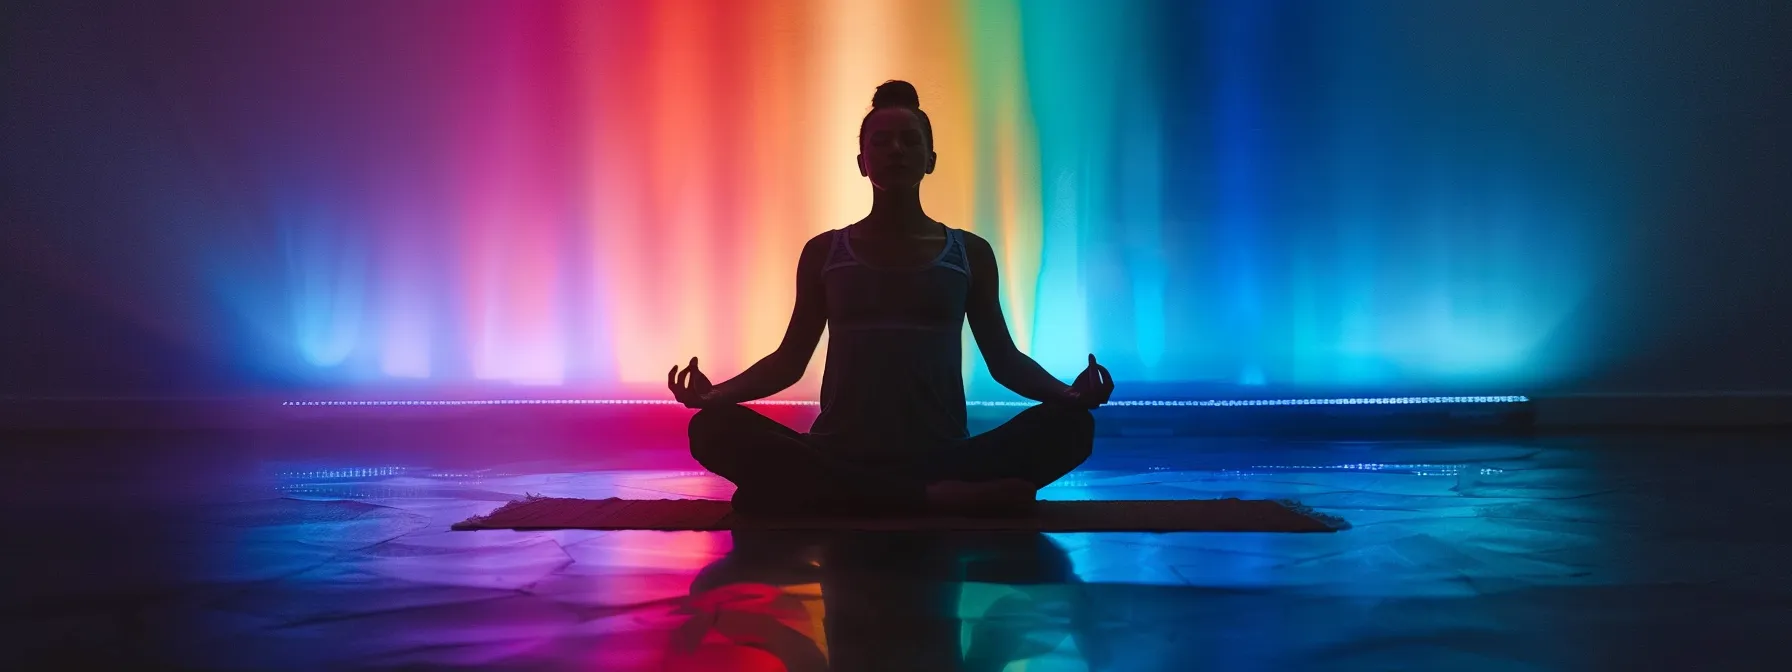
x: 477, y: 522
x: 1335, y: 523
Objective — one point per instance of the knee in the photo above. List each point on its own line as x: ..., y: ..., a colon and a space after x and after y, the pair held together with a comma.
x: 1082, y: 422
x: 707, y: 430
x: 1084, y: 445
x: 1077, y: 425
x: 704, y: 422
x: 1074, y: 420
x: 714, y: 418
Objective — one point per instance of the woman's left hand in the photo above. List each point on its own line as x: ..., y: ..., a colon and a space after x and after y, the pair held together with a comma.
x: 1092, y: 387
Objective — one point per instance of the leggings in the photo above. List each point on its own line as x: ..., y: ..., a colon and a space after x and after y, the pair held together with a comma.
x: 774, y: 467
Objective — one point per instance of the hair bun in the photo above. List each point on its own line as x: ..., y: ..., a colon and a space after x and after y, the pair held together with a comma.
x: 896, y: 93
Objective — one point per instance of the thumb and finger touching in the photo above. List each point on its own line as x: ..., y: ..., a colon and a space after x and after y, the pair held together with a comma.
x: 682, y: 380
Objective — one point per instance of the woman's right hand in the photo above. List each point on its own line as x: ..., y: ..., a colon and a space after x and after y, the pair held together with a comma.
x: 690, y: 387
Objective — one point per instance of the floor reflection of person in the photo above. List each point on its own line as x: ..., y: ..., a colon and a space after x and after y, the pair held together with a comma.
x: 883, y: 601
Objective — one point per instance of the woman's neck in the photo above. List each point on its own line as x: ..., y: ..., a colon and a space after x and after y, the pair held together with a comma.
x: 897, y: 213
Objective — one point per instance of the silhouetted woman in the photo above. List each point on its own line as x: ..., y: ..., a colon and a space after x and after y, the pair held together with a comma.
x: 894, y: 290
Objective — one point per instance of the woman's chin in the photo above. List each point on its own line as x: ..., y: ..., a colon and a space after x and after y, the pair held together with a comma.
x: 896, y: 182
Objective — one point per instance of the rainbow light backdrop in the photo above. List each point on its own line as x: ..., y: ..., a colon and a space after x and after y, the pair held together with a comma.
x: 582, y: 194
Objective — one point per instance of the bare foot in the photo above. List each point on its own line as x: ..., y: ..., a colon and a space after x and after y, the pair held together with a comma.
x: 1005, y: 497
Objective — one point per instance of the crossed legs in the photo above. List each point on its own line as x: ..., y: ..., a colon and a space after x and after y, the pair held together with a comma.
x: 776, y: 468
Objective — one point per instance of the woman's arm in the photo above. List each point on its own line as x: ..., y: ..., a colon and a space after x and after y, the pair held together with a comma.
x: 785, y: 366
x: 1007, y: 364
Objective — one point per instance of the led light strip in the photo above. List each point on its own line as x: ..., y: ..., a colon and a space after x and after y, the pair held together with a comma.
x: 1209, y: 403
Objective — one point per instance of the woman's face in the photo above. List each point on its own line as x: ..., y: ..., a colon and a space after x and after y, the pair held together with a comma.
x: 893, y: 149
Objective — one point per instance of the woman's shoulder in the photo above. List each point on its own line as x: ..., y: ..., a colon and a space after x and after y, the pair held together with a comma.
x: 971, y: 240
x: 825, y: 239
x: 820, y: 246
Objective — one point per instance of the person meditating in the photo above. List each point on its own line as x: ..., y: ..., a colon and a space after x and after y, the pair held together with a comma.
x: 894, y: 290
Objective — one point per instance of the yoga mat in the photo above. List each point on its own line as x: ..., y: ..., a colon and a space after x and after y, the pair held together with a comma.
x: 1162, y: 515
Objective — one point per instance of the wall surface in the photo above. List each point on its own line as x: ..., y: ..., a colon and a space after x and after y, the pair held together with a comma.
x: 225, y: 198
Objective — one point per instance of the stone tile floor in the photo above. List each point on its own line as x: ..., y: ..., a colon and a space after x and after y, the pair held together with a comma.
x: 1589, y: 553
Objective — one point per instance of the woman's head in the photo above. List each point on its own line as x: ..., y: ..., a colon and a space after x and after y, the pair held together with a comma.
x: 896, y: 138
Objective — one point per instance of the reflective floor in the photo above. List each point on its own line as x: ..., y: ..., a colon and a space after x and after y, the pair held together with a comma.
x: 214, y: 552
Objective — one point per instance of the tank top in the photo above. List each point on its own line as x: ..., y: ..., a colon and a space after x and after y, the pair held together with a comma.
x: 893, y: 386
